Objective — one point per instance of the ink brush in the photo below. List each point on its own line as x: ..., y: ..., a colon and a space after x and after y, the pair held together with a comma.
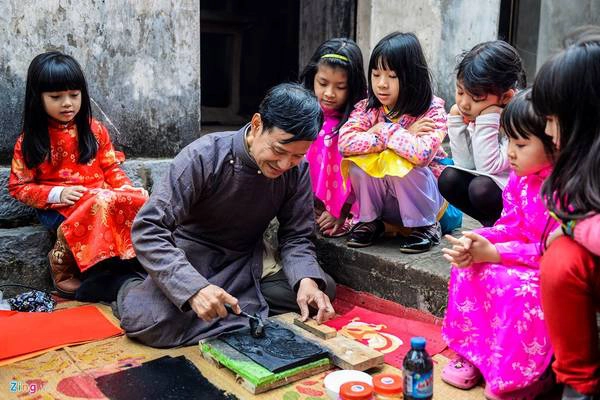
x: 257, y: 326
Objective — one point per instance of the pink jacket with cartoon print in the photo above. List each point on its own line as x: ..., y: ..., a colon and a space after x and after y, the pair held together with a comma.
x: 423, y: 150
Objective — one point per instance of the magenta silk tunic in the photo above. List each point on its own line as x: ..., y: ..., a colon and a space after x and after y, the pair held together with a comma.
x: 324, y: 161
x: 494, y: 316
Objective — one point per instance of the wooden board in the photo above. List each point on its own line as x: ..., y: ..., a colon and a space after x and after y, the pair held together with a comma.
x: 252, y: 376
x: 345, y: 352
x: 321, y: 331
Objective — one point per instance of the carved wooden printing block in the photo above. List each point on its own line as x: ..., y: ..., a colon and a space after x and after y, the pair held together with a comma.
x: 278, y: 350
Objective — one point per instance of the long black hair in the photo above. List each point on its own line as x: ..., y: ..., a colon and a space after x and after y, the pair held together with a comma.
x: 350, y: 61
x: 54, y: 72
x: 491, y: 68
x: 402, y: 53
x: 568, y: 87
x: 521, y: 121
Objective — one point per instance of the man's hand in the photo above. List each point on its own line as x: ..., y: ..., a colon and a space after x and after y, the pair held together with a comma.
x: 309, y: 294
x: 209, y: 303
x: 422, y: 126
x: 71, y: 194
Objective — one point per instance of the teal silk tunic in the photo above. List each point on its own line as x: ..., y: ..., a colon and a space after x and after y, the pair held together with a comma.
x: 204, y: 225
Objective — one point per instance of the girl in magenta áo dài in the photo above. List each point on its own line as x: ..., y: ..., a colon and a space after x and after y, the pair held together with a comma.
x: 336, y: 75
x: 494, y: 319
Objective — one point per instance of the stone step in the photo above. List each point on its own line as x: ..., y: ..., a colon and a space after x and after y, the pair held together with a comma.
x: 418, y: 281
x: 414, y: 280
x: 25, y: 245
x: 24, y: 258
x: 143, y: 172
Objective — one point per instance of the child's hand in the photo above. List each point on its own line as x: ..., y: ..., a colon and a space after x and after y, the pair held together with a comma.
x: 71, y: 194
x: 481, y: 249
x: 326, y: 221
x: 555, y: 234
x: 459, y: 255
x: 455, y: 110
x: 376, y: 128
x: 422, y: 126
x: 469, y: 249
x: 493, y: 109
x: 129, y: 187
x: 339, y: 228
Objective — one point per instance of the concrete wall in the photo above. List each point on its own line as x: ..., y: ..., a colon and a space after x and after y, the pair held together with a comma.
x: 141, y: 60
x: 445, y: 28
x: 557, y: 18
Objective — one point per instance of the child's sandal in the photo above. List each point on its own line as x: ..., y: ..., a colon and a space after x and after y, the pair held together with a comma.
x: 461, y: 373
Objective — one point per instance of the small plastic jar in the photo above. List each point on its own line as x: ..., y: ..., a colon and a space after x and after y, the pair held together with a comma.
x: 356, y: 390
x: 387, y: 387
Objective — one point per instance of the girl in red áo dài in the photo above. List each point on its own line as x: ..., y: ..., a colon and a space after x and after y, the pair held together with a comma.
x: 65, y: 166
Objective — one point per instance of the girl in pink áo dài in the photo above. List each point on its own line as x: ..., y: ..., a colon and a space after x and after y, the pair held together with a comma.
x: 494, y: 320
x: 335, y: 74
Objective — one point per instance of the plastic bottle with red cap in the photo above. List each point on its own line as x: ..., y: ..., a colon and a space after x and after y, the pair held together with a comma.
x: 387, y: 387
x: 356, y: 390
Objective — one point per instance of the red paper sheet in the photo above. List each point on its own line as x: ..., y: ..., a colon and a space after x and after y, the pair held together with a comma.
x: 386, y: 333
x: 23, y: 333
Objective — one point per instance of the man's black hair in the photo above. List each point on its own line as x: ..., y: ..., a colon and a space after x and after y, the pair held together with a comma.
x: 293, y: 109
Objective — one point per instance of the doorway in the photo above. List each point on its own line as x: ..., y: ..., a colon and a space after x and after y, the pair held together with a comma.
x: 246, y: 48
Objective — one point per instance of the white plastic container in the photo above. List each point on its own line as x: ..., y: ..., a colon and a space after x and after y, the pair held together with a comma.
x: 334, y: 380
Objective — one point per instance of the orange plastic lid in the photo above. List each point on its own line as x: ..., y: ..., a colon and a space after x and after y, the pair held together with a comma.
x: 387, y: 384
x: 356, y: 390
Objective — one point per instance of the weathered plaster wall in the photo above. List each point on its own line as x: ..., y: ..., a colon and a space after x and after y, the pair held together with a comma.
x: 557, y: 18
x: 445, y: 28
x: 141, y: 60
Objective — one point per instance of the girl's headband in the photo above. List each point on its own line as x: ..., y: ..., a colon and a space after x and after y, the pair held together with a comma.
x: 333, y: 55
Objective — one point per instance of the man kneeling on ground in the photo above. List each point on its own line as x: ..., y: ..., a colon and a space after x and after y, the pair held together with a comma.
x: 199, y: 236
